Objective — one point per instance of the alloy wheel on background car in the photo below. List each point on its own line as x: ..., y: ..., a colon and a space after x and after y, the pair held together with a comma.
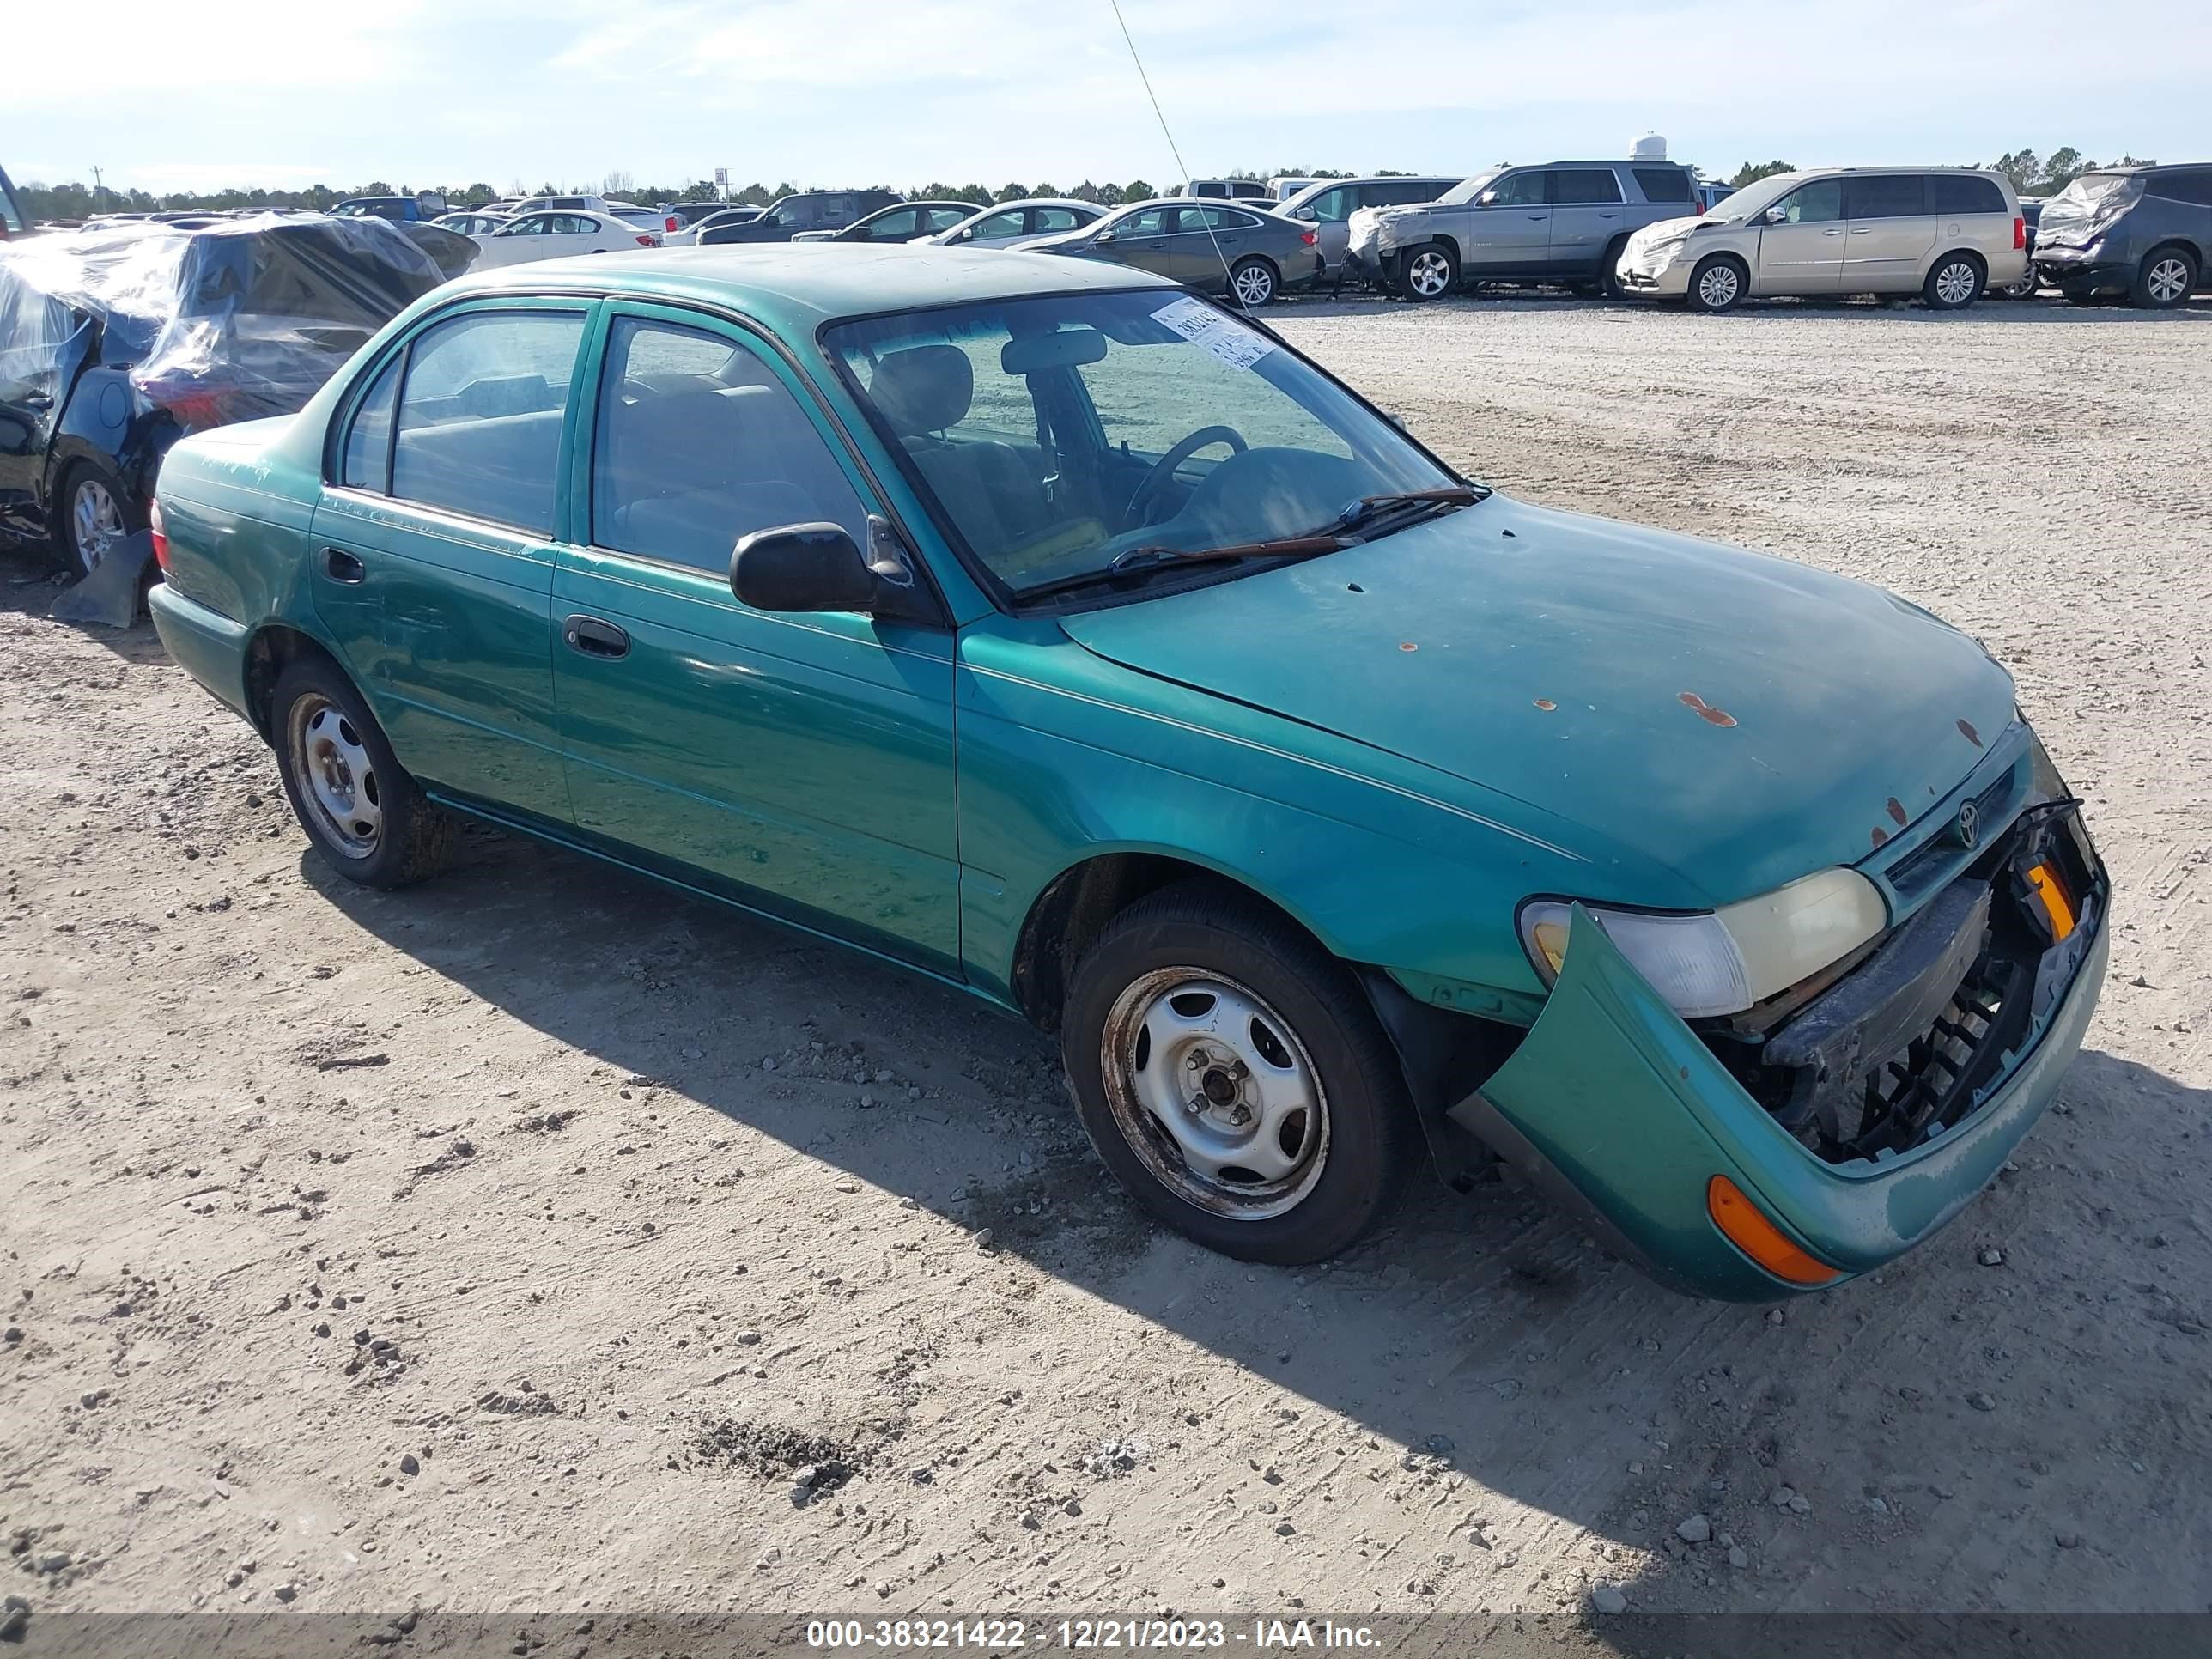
x: 1956, y: 283
x: 2168, y: 280
x: 1215, y: 1094
x: 1719, y: 286
x: 1254, y: 283
x: 1428, y: 274
x: 96, y: 524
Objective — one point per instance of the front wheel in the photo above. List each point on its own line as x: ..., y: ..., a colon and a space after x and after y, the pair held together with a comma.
x: 363, y: 812
x: 1428, y: 273
x: 1718, y: 283
x: 2167, y: 278
x: 1252, y: 283
x: 1954, y: 281
x: 1233, y: 1076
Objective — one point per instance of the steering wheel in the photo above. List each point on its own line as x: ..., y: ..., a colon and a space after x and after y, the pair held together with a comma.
x: 1164, y: 470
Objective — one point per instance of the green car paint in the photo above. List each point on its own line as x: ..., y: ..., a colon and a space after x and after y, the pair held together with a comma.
x: 1397, y: 744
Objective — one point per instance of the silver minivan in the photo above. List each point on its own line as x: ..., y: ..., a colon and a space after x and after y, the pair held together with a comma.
x: 1947, y: 234
x: 1328, y: 205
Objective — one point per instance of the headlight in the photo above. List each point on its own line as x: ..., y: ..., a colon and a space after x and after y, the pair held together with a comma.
x: 1722, y: 962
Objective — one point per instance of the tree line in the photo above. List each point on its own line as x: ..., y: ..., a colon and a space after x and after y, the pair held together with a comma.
x: 2031, y: 174
x: 76, y: 200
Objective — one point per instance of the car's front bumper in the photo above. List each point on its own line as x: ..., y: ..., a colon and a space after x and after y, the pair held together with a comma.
x: 1668, y: 281
x: 1617, y: 1108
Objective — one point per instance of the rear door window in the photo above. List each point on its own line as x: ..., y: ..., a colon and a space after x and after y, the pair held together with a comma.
x: 480, y: 415
x: 1043, y: 221
x: 1401, y: 192
x: 1886, y: 195
x: 1584, y: 186
x: 1962, y: 192
x: 1664, y: 184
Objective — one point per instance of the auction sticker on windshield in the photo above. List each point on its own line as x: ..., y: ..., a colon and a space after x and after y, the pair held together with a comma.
x: 1224, y: 336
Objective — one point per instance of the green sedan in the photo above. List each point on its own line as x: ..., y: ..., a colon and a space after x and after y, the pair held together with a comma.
x: 1068, y: 639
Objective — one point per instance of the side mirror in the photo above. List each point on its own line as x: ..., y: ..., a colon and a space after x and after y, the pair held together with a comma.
x: 1776, y: 214
x: 1488, y: 199
x: 802, y: 567
x: 1305, y: 213
x: 1104, y: 236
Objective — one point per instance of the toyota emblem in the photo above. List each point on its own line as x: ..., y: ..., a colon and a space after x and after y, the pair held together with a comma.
x: 1968, y: 828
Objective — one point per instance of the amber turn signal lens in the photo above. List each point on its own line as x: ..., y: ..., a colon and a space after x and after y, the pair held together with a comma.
x: 2056, y: 904
x: 1760, y: 1239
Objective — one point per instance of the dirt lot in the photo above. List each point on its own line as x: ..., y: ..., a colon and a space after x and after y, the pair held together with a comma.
x: 516, y: 1241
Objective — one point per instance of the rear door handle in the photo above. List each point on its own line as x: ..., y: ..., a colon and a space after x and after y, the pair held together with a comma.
x: 1832, y: 233
x: 341, y: 566
x: 595, y: 638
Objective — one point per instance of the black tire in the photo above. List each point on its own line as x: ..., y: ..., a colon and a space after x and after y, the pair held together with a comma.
x: 1708, y: 289
x: 413, y: 838
x: 2084, y: 296
x: 1427, y: 272
x: 68, y: 554
x: 1352, y: 1151
x: 1254, y: 283
x: 2166, y: 277
x: 1954, y: 281
x: 1608, y: 271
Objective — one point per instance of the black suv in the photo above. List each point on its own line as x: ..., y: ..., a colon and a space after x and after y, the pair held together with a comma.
x: 2144, y: 232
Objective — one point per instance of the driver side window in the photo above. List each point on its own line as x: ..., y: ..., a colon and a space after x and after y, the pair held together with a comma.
x: 1523, y: 189
x: 1820, y: 202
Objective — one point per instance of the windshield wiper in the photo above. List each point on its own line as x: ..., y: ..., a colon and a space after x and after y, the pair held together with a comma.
x: 1367, y: 509
x: 1136, y: 560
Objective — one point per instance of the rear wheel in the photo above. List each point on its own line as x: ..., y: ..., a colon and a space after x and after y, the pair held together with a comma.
x: 1954, y: 281
x: 2166, y: 278
x: 1252, y: 283
x: 1233, y: 1076
x: 364, y: 814
x: 1718, y: 283
x: 93, y: 514
x: 1428, y: 272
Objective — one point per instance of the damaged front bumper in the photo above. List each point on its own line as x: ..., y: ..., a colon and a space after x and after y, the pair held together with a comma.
x: 1625, y: 1115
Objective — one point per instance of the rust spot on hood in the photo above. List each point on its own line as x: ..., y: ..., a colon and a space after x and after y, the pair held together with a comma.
x: 1880, y: 835
x: 1972, y: 736
x: 1408, y: 646
x: 1705, y: 712
x: 1896, y: 810
x: 1545, y: 704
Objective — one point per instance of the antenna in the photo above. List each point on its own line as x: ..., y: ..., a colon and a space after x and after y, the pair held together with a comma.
x: 1173, y: 150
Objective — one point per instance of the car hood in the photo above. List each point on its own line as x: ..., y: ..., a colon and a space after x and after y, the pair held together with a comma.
x: 1736, y: 718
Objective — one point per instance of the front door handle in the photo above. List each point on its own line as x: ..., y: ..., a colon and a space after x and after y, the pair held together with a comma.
x: 1832, y: 233
x: 595, y: 638
x: 341, y: 566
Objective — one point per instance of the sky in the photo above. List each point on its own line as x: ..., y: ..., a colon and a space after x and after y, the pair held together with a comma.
x: 851, y: 93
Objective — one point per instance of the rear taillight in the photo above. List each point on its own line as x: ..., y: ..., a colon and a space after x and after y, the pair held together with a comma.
x: 1308, y: 238
x: 670, y: 225
x: 644, y: 240
x: 161, y: 534
x: 2018, y: 232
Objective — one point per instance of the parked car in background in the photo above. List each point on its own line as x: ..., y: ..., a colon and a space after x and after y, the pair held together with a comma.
x: 1327, y: 204
x: 2144, y: 234
x: 678, y: 218
x: 732, y: 214
x: 541, y: 203
x: 1017, y: 224
x: 1086, y: 648
x: 1562, y: 222
x: 454, y: 251
x: 813, y: 210
x: 474, y: 222
x: 640, y: 218
x: 14, y: 217
x: 113, y: 342
x: 1216, y: 248
x: 420, y: 208
x: 1946, y: 233
x: 531, y: 236
x: 903, y: 221
x: 2031, y: 212
x: 1283, y: 188
x: 1224, y: 189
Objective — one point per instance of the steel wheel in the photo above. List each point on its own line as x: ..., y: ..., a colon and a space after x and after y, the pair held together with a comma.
x: 1428, y: 274
x: 95, y: 523
x: 1719, y: 286
x: 338, y: 777
x: 1254, y: 282
x: 1214, y: 1093
x: 2168, y: 279
x: 1956, y: 283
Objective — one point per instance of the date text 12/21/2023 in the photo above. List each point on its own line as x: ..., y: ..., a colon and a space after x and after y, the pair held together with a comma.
x: 1081, y: 1635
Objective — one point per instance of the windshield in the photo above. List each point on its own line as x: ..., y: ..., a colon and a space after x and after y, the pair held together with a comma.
x: 1059, y: 433
x: 1756, y: 197
x: 1467, y: 189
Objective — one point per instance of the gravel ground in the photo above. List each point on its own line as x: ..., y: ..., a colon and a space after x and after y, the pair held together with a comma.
x: 537, y: 1240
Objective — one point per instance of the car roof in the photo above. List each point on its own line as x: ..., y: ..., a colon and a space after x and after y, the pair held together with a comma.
x: 796, y: 286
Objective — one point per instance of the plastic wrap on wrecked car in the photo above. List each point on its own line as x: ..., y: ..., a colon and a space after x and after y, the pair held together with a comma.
x: 219, y: 323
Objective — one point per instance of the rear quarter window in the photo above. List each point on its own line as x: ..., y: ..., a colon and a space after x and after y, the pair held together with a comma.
x: 2194, y: 186
x: 1951, y: 193
x: 1664, y: 184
